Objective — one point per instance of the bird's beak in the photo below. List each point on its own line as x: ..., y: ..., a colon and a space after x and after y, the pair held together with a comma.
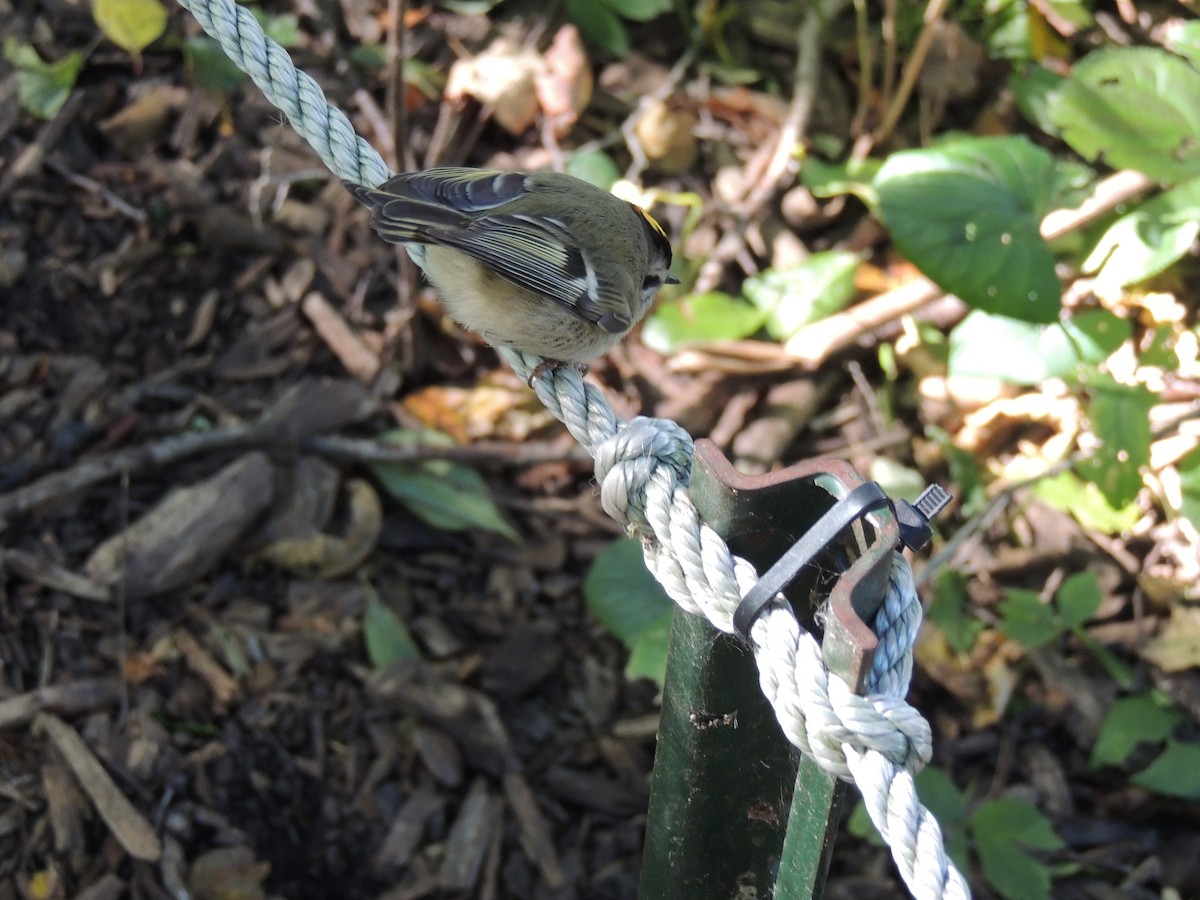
x: 671, y: 279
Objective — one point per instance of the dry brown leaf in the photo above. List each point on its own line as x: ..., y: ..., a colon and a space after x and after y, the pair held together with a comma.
x: 500, y: 411
x: 667, y: 137
x: 228, y: 873
x: 564, y: 86
x: 501, y: 78
x: 1177, y: 646
x: 999, y: 422
x: 331, y: 556
x: 983, y: 680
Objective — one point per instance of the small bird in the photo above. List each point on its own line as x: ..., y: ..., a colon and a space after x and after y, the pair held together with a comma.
x: 539, y: 261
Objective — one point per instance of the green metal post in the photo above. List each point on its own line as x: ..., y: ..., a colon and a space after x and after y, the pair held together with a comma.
x: 731, y: 812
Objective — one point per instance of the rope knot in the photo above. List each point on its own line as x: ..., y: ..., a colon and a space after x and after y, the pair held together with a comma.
x: 627, y: 461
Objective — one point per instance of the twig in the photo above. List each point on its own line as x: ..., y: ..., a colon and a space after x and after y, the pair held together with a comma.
x: 95, y: 187
x: 912, y: 69
x: 795, y: 124
x: 791, y: 133
x: 88, y: 473
x: 490, y: 454
x: 30, y: 159
x: 397, y: 86
x: 815, y: 343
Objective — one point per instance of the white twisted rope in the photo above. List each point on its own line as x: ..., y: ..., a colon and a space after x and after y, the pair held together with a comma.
x: 878, y: 741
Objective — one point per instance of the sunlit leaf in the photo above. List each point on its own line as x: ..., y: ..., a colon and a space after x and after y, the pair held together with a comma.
x: 1120, y: 418
x: 596, y: 167
x: 792, y: 298
x: 981, y: 239
x: 132, y: 25
x: 1184, y: 38
x: 989, y: 346
x: 699, y: 319
x: 826, y: 179
x: 1032, y: 87
x: 1189, y: 482
x: 1176, y: 647
x: 1148, y: 240
x: 1136, y: 108
x: 1084, y: 500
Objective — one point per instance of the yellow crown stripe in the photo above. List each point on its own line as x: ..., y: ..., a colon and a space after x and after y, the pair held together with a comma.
x: 649, y: 218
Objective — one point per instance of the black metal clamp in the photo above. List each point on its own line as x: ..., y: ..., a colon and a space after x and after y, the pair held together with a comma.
x: 912, y: 520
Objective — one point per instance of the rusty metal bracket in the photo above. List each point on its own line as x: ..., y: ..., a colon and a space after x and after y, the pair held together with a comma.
x: 733, y: 809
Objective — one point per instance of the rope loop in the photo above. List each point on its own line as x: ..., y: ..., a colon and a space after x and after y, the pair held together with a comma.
x: 627, y: 461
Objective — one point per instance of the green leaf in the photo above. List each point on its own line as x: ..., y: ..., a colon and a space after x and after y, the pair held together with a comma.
x: 942, y: 797
x: 792, y: 298
x: 386, y: 637
x: 1078, y: 599
x: 622, y: 594
x: 860, y: 825
x: 1120, y: 418
x: 1144, y: 719
x: 638, y: 10
x: 1148, y: 240
x: 1189, y: 483
x: 981, y: 238
x: 133, y: 25
x: 1027, y: 620
x: 1088, y: 338
x: 596, y: 167
x: 698, y: 319
x: 1176, y: 773
x: 965, y: 472
x: 447, y: 495
x: 988, y: 346
x: 1135, y: 107
x: 897, y: 479
x: 42, y: 88
x: 855, y: 177
x: 1033, y: 88
x: 949, y: 611
x: 600, y: 26
x: 1003, y: 829
x: 1184, y: 39
x: 212, y: 69
x: 1084, y: 500
x: 648, y: 652
x: 283, y: 28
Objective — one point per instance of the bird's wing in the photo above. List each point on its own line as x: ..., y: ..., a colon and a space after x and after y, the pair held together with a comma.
x: 451, y: 207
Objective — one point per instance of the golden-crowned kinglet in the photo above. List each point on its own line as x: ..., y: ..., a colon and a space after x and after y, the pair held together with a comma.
x: 539, y: 261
